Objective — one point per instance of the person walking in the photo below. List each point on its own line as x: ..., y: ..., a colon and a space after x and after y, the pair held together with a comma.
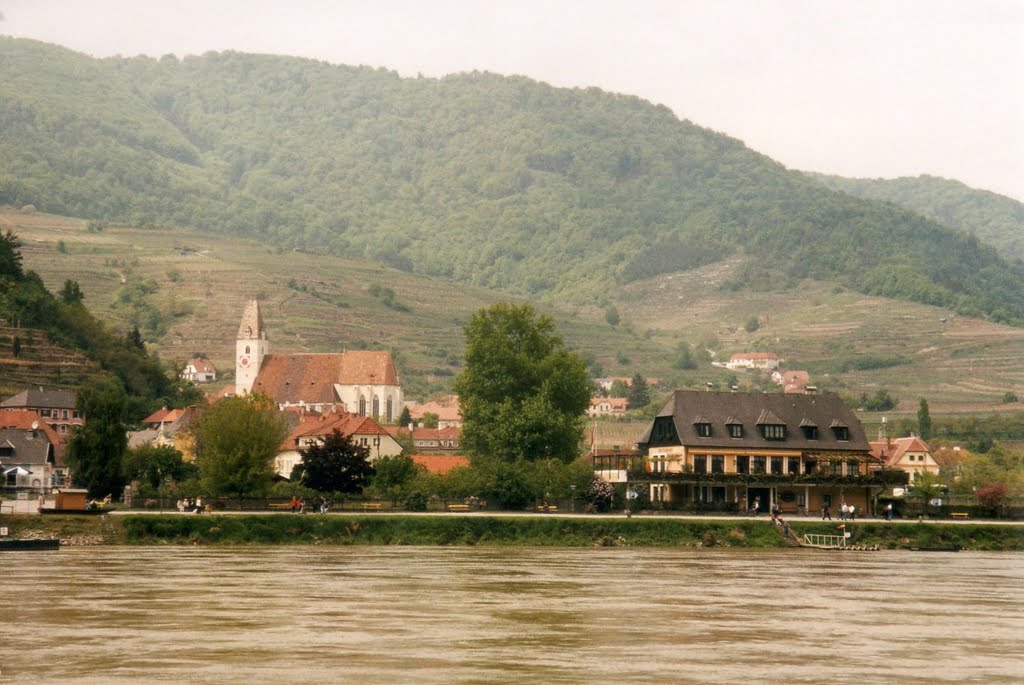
x: 888, y: 511
x: 825, y: 513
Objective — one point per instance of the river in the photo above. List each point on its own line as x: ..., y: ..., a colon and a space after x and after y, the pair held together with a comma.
x: 510, y: 615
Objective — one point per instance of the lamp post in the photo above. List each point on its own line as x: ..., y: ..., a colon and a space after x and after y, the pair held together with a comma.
x: 572, y: 506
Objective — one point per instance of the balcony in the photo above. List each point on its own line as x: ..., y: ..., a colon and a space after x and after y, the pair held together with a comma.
x: 881, y: 478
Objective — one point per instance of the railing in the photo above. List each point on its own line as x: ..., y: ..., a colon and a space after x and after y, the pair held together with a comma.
x: 816, y: 540
x: 878, y: 479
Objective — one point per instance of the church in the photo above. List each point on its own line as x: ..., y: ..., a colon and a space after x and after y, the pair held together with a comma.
x: 356, y: 381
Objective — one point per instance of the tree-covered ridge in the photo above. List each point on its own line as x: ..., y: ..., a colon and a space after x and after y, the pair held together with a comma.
x: 500, y: 182
x: 995, y: 219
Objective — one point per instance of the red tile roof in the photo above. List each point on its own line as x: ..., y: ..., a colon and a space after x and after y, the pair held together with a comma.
x: 157, y: 416
x: 440, y: 464
x: 310, y: 378
x: 446, y: 410
x: 202, y: 365
x: 23, y: 419
x: 891, y: 451
x: 322, y: 425
x: 754, y: 355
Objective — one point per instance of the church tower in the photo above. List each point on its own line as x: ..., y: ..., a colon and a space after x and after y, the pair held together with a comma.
x: 250, y: 348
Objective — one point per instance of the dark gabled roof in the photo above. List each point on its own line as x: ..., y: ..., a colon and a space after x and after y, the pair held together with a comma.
x: 44, y: 398
x: 30, y: 447
x: 752, y: 409
x: 807, y: 423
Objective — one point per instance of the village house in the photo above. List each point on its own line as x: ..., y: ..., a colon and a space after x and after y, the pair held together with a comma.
x: 753, y: 360
x: 791, y: 381
x: 436, y: 440
x: 720, y: 450
x: 55, y: 406
x: 31, y: 454
x: 354, y: 381
x: 313, y: 429
x: 447, y: 411
x: 199, y: 371
x: 607, y: 406
x: 910, y: 455
x: 170, y: 427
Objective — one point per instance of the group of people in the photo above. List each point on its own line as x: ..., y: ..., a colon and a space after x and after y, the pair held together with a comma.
x: 320, y: 505
x: 778, y: 520
x: 847, y: 512
x: 189, y: 504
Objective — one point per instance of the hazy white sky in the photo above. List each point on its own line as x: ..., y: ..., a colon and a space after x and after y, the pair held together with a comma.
x: 865, y: 88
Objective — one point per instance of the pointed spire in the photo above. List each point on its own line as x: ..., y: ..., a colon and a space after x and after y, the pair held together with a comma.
x: 252, y: 322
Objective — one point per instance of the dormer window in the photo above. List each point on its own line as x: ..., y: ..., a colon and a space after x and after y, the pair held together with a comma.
x: 734, y: 427
x: 664, y: 430
x: 774, y: 431
x: 809, y: 429
x: 702, y: 426
x: 841, y: 430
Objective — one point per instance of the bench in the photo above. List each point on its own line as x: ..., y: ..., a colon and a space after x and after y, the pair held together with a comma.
x: 371, y: 506
x: 549, y: 508
x: 960, y: 515
x: 458, y: 507
x: 279, y: 505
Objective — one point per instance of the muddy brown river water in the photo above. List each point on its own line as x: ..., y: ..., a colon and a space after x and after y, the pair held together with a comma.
x: 510, y: 615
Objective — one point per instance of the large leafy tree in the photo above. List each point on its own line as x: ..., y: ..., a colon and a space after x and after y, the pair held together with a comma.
x: 522, y: 393
x: 154, y: 465
x: 96, y: 450
x: 235, y: 443
x: 337, y: 465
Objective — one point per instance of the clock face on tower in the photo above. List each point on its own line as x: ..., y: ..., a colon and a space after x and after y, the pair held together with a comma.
x: 244, y: 361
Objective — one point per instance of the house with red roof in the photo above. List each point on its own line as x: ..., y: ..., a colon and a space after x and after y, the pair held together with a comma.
x: 31, y: 453
x: 447, y: 411
x: 55, y: 406
x: 910, y: 454
x: 199, y: 371
x: 607, y: 406
x: 436, y: 440
x: 362, y: 382
x: 313, y: 429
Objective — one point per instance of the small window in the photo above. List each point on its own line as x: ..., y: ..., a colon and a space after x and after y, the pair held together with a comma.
x: 810, y: 466
x: 717, y: 463
x: 776, y: 465
x: 704, y: 430
x: 758, y: 465
x: 44, y: 412
x: 742, y: 464
x: 700, y: 463
x: 793, y: 466
x: 774, y: 431
x: 735, y: 430
x: 836, y: 468
x: 842, y: 433
x: 810, y: 432
x: 6, y: 451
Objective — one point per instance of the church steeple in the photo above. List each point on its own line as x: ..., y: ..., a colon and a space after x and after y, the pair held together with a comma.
x: 250, y: 348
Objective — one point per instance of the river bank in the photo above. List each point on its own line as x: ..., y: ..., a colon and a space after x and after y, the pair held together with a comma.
x: 483, y: 530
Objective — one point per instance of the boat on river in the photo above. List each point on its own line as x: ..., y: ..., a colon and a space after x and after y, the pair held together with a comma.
x: 12, y: 545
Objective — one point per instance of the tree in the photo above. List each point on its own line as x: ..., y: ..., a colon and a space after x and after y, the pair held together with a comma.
x: 924, y: 420
x: 684, y: 357
x: 10, y: 255
x: 71, y: 293
x: 752, y: 324
x: 611, y: 315
x: 153, y: 465
x: 430, y: 419
x: 405, y: 418
x: 337, y: 465
x: 392, y: 475
x: 235, y: 442
x: 639, y: 394
x: 521, y: 392
x: 96, y: 449
x: 618, y: 388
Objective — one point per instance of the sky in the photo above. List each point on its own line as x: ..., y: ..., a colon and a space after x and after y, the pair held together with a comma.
x: 860, y: 88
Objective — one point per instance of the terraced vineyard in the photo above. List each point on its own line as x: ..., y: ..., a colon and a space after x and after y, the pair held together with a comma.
x: 193, y: 286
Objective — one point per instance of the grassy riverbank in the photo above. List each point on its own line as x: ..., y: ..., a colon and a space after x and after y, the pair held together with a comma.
x: 551, y: 531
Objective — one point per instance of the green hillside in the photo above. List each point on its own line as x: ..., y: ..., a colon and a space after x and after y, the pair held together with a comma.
x: 186, y: 290
x: 995, y: 219
x: 502, y: 183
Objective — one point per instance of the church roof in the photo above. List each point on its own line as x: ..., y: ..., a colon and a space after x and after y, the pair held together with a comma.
x: 252, y: 322
x: 311, y: 378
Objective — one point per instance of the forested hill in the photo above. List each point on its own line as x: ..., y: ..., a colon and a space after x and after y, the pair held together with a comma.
x: 995, y: 219
x: 496, y: 181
